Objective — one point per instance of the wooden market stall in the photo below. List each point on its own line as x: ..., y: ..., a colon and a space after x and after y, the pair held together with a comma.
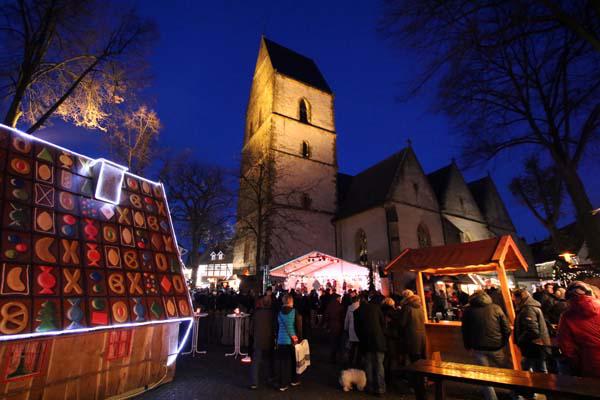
x: 496, y: 255
x: 92, y: 293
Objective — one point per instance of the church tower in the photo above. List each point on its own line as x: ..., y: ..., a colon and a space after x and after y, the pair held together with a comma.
x: 287, y: 198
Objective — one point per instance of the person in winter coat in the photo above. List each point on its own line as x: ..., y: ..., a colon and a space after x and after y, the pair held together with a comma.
x: 579, y: 331
x: 558, y: 308
x: 353, y: 352
x: 288, y: 332
x: 334, y: 320
x: 531, y: 332
x: 485, y: 332
x: 412, y: 326
x: 369, y: 324
x: 392, y: 335
x: 264, y: 335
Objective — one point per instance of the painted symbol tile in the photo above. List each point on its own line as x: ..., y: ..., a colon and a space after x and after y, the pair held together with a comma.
x: 67, y: 225
x: 157, y: 190
x: 119, y: 310
x: 146, y: 188
x: 96, y: 282
x: 109, y: 234
x: 69, y: 252
x: 44, y: 195
x: 174, y: 264
x: 168, y: 243
x: 139, y: 313
x: 72, y: 281
x: 98, y: 311
x: 4, y: 137
x: 161, y: 208
x: 135, y: 201
x: 66, y: 180
x: 135, y: 284
x: 165, y: 284
x: 16, y: 246
x: 90, y: 208
x: 21, y: 145
x: 161, y: 262
x: 15, y: 316
x: 183, y: 306
x: 93, y: 255
x: 123, y: 215
x: 44, y: 153
x: 107, y: 212
x: 15, y: 279
x: 178, y: 284
x: 156, y: 310
x: 127, y: 238
x: 86, y: 186
x: 45, y: 249
x: 117, y: 286
x: 132, y: 183
x: 90, y: 229
x: 84, y: 166
x: 112, y: 256
x: 68, y: 202
x: 44, y: 172
x: 46, y: 280
x: 17, y: 216
x: 18, y: 189
x: 150, y: 205
x: 150, y: 284
x: 164, y: 226
x: 43, y: 220
x: 130, y: 259
x: 147, y: 260
x: 170, y: 307
x: 141, y: 239
x: 139, y: 221
x: 156, y: 241
x: 152, y: 222
x: 66, y: 160
x: 20, y: 166
x: 74, y: 313
x: 47, y: 316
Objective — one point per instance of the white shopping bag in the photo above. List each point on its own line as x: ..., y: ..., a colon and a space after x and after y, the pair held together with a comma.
x: 302, y: 356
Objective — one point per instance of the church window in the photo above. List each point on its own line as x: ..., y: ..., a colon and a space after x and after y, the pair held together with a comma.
x: 304, y: 110
x: 423, y: 236
x: 416, y: 189
x: 362, y: 253
x: 306, y: 201
x: 462, y: 203
x: 305, y: 149
x: 213, y: 256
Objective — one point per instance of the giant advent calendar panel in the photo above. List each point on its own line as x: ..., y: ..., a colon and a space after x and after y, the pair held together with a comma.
x: 69, y: 261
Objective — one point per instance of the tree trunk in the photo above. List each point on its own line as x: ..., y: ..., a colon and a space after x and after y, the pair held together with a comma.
x: 589, y: 225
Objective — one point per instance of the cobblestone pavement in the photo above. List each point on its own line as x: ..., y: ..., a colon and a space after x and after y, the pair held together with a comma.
x: 214, y: 376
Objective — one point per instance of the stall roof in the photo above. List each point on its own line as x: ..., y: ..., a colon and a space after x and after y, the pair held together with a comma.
x: 461, y: 258
x: 314, y: 261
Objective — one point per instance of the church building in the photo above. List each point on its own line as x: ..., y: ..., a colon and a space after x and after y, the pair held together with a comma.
x: 294, y: 198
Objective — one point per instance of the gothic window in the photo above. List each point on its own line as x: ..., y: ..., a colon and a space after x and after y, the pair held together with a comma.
x: 306, y: 201
x: 423, y: 236
x: 416, y: 189
x: 213, y: 256
x: 462, y: 204
x: 362, y: 253
x: 305, y: 149
x: 304, y: 110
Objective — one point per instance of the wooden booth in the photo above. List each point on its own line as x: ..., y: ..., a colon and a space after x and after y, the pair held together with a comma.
x: 91, y: 286
x: 490, y: 256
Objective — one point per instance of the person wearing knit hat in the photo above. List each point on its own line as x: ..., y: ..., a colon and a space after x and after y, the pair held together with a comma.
x: 579, y: 331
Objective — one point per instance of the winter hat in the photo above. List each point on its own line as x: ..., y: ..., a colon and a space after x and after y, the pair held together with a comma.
x: 578, y: 288
x: 407, y: 293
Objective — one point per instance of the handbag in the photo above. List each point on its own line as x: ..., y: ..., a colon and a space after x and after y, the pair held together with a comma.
x: 302, y: 351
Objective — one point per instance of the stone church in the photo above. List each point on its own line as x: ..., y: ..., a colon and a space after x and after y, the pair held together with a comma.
x: 367, y: 218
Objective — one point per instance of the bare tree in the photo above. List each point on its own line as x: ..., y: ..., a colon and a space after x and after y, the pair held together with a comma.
x: 133, y: 136
x: 72, y: 59
x: 540, y: 189
x: 535, y: 87
x: 199, y: 201
x: 267, y: 214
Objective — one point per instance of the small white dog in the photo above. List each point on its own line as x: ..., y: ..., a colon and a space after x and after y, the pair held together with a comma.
x: 349, y: 377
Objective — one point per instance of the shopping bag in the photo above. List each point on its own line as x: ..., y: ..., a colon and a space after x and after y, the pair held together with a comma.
x: 302, y: 350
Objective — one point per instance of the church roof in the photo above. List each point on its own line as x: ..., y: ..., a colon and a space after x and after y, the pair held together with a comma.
x: 439, y: 181
x: 480, y: 188
x: 369, y: 188
x: 295, y: 65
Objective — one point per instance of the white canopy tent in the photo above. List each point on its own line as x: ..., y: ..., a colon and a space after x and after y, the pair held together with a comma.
x: 315, y: 269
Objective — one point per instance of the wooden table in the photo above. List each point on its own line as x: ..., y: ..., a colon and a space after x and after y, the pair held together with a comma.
x: 440, y: 371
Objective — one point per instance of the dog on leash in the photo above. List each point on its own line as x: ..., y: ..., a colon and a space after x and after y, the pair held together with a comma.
x: 350, y: 377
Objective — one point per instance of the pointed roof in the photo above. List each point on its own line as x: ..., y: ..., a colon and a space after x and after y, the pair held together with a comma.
x: 295, y: 65
x: 370, y: 187
x: 439, y: 181
x: 479, y: 189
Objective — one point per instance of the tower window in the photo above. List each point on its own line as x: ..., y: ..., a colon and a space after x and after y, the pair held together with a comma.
x: 305, y: 149
x: 423, y: 236
x: 306, y: 201
x: 304, y: 111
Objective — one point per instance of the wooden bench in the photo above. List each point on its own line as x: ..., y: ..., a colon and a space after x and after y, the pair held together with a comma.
x: 550, y: 384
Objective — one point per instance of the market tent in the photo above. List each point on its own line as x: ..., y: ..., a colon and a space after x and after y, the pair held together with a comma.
x: 321, y: 266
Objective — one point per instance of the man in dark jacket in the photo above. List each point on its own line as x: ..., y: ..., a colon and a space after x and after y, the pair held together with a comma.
x: 369, y: 324
x: 334, y: 319
x: 412, y: 326
x: 485, y: 332
x: 263, y: 325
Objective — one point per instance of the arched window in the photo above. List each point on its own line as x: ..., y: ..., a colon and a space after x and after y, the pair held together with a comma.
x: 305, y: 149
x: 304, y: 111
x: 362, y: 253
x: 423, y: 236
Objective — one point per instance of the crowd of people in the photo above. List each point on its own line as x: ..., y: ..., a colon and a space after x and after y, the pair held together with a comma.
x: 557, y: 329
